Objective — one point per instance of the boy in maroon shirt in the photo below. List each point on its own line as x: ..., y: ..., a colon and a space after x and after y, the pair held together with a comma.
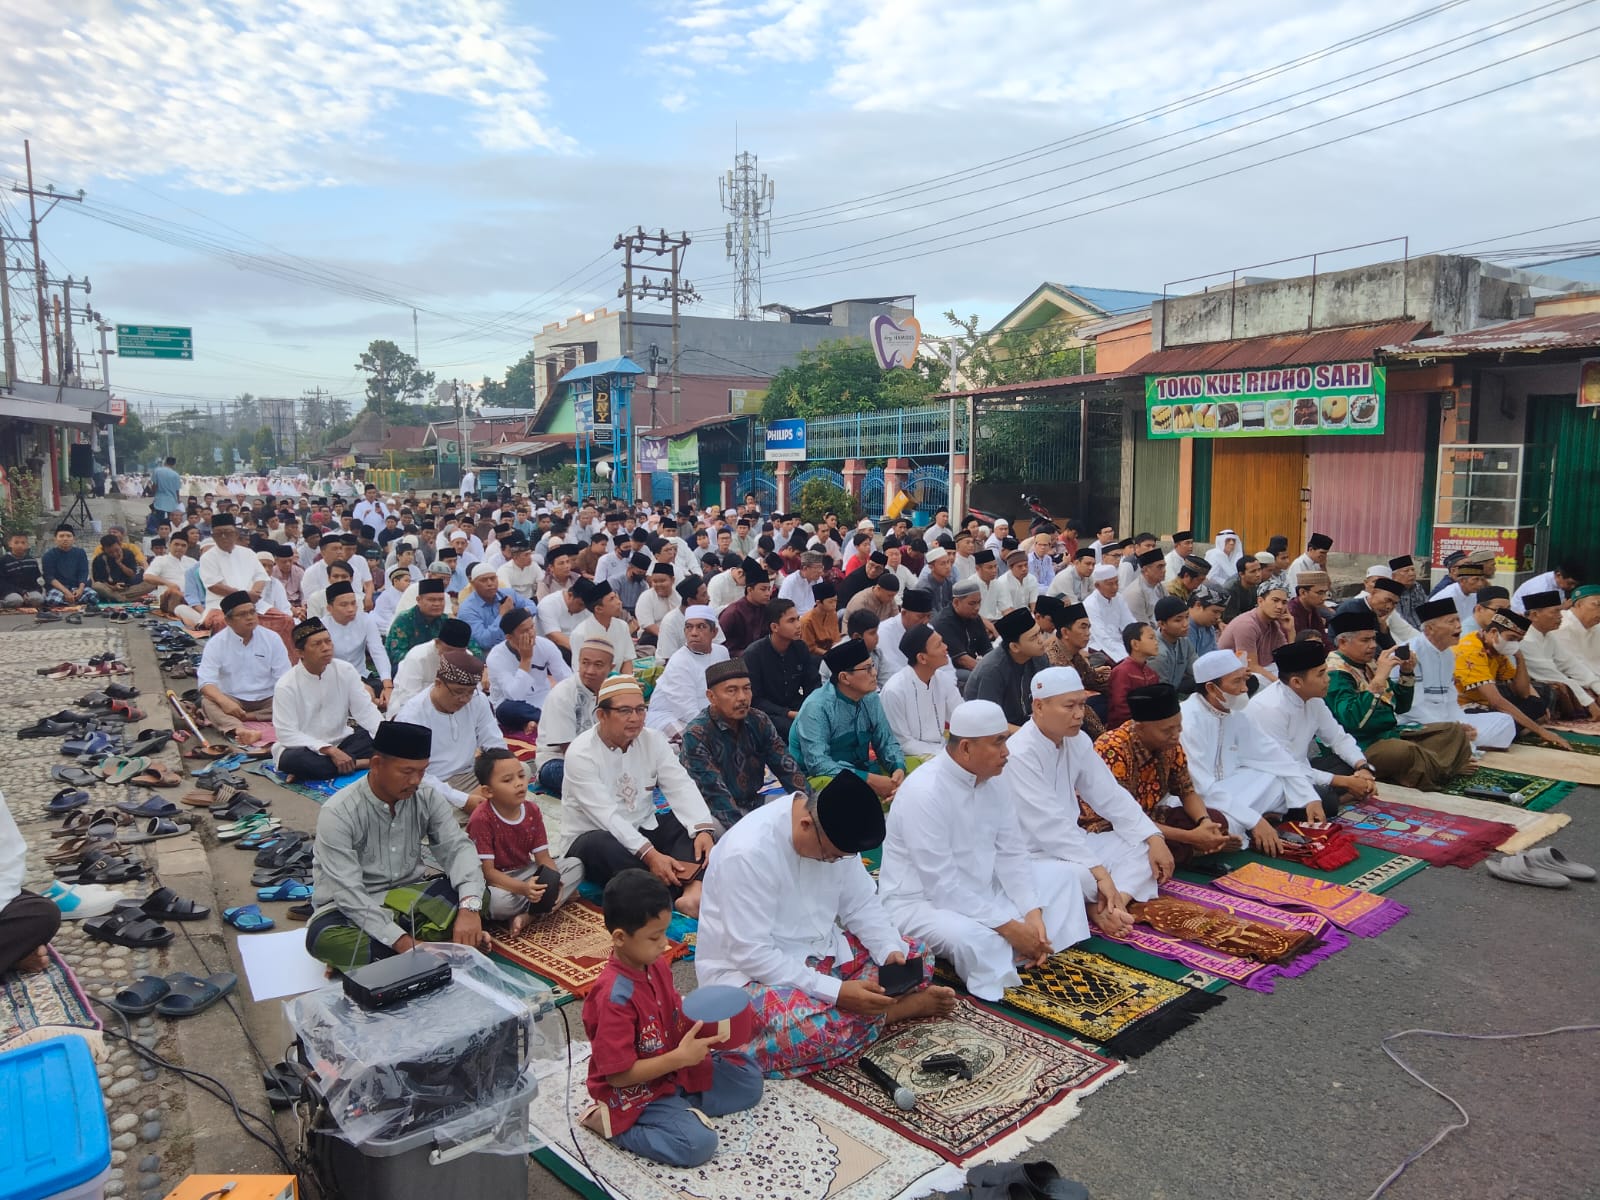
x: 650, y: 1073
x: 1139, y: 639
x: 524, y: 878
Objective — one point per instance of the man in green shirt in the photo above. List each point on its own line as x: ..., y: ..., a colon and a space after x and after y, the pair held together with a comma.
x: 419, y: 623
x: 1365, y: 700
x: 842, y: 724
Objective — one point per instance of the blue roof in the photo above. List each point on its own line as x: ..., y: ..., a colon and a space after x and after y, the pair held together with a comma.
x: 1114, y: 300
x: 606, y: 366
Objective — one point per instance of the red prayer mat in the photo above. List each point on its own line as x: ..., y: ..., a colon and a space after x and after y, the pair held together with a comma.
x: 1440, y: 838
x: 569, y: 947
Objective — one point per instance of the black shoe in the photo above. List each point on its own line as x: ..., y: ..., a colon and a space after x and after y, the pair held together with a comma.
x: 48, y: 728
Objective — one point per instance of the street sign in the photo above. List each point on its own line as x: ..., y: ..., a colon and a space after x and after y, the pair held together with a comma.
x: 155, y: 341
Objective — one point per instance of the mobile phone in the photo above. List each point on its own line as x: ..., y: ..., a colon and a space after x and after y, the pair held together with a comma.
x: 1402, y: 652
x: 899, y: 978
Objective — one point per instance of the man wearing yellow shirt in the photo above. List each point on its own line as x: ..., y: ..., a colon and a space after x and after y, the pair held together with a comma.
x: 1490, y: 674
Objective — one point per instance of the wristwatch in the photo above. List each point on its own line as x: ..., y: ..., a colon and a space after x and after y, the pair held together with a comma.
x: 472, y: 904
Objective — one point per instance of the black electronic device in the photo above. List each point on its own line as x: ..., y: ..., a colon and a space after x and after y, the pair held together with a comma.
x: 1403, y: 653
x: 80, y: 460
x: 949, y: 1064
x: 899, y: 978
x: 391, y: 980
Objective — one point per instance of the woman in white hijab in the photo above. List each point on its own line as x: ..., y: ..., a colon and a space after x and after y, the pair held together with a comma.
x: 1224, y: 557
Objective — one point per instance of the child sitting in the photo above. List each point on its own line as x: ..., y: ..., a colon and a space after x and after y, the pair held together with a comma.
x: 523, y: 877
x: 651, y: 1073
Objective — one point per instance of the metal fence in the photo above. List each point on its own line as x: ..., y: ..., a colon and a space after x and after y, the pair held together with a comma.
x: 900, y: 433
x: 872, y: 498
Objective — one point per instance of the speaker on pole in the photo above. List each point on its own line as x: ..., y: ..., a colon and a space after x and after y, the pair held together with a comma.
x: 80, y: 460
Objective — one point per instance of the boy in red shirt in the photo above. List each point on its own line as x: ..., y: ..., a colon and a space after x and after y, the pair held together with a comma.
x: 651, y: 1074
x: 523, y: 878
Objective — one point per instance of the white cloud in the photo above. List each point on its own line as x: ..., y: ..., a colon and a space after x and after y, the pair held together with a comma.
x: 243, y: 95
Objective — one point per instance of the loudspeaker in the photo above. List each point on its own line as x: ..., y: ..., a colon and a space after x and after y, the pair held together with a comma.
x: 80, y: 460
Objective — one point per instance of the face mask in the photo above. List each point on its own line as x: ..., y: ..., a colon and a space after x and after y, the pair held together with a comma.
x: 1507, y: 647
x: 1237, y: 703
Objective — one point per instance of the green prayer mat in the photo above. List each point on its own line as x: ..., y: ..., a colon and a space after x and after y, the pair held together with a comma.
x: 1166, y: 968
x: 1581, y: 743
x: 1374, y: 870
x: 1528, y: 791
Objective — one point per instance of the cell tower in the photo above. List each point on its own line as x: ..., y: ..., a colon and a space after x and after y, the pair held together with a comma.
x: 747, y: 198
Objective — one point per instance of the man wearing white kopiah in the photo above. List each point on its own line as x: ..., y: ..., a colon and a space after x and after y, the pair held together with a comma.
x: 1435, y: 697
x: 956, y: 872
x: 680, y: 694
x: 1051, y: 769
x: 1108, y: 614
x: 1236, y: 768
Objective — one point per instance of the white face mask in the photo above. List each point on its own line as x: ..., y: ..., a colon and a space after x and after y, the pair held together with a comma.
x: 1233, y: 703
x: 1507, y: 647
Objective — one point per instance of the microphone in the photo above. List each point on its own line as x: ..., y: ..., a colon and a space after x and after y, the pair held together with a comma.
x: 904, y: 1098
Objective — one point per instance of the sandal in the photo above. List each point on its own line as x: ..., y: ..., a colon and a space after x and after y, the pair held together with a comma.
x: 150, y: 742
x: 302, y: 912
x: 152, y: 806
x: 190, y: 995
x: 228, y: 831
x: 154, y: 829
x: 121, y: 691
x: 128, y: 927
x: 269, y: 877
x: 285, y: 1085
x: 207, y: 752
x: 247, y: 918
x: 76, y: 776
x: 140, y: 997
x: 164, y: 904
x: 97, y: 742
x: 104, y: 869
x: 120, y: 768
x: 157, y: 776
x: 66, y: 800
x: 45, y: 727
x: 289, y: 889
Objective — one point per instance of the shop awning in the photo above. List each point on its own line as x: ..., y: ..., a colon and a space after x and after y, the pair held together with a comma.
x: 41, y: 413
x: 1534, y: 335
x: 1352, y: 344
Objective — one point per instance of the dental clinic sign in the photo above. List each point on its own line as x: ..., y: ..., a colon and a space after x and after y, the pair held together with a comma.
x: 786, y: 441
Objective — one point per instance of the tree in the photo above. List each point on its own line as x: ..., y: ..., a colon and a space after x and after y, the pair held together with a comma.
x: 1049, y: 351
x: 246, y: 413
x: 844, y: 377
x: 264, y: 450
x: 818, y: 497
x: 338, y: 412
x: 392, y: 376
x: 517, y: 390
x: 313, y: 413
x: 133, y: 439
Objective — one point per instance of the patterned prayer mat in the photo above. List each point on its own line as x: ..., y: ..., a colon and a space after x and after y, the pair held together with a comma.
x: 797, y: 1142
x: 1128, y: 1011
x: 1439, y: 838
x: 1531, y: 827
x: 1150, y: 964
x: 320, y: 790
x: 38, y: 1005
x: 1361, y: 913
x: 569, y: 947
x: 1327, y: 939
x: 1374, y: 870
x: 1025, y: 1084
x: 1524, y: 791
x: 1543, y: 762
x: 681, y: 929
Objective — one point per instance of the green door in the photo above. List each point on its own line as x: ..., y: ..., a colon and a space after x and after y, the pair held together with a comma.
x: 1574, y: 434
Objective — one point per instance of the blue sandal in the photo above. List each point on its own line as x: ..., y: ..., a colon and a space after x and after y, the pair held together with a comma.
x: 289, y: 889
x: 247, y: 918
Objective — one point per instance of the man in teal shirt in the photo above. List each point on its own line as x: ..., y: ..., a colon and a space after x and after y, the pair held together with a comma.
x: 842, y: 723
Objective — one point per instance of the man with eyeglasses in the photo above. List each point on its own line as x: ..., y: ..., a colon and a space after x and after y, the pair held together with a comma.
x: 462, y: 721
x: 607, y: 800
x: 842, y: 726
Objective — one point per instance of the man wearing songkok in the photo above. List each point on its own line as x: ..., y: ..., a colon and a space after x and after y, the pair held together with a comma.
x: 1237, y: 769
x: 1580, y: 625
x: 1314, y: 559
x: 1259, y: 632
x: 370, y: 887
x: 519, y: 573
x: 797, y: 586
x: 1572, y: 681
x: 963, y: 630
x: 458, y: 713
x: 1108, y: 613
x: 919, y: 699
x: 1129, y: 566
x: 606, y: 621
x: 1182, y: 548
x: 608, y: 812
x: 1175, y: 653
x: 783, y: 671
x: 1052, y: 770
x: 1366, y: 701
x: 731, y: 745
x: 657, y: 600
x: 1435, y: 699
x: 1146, y: 588
x: 956, y: 871
x: 228, y: 567
x: 1563, y: 580
x: 569, y: 710
x: 1470, y: 579
x: 842, y: 727
x: 1308, y: 611
x: 239, y: 671
x: 521, y: 670
x: 1146, y: 757
x: 1403, y: 570
x: 416, y: 619
x: 420, y: 666
x: 356, y: 638
x: 1292, y: 712
x: 882, y: 599
x: 680, y: 693
x: 1191, y: 577
x: 916, y: 608
x: 1491, y: 675
x: 790, y: 914
x: 1381, y: 595
x: 485, y: 603
x: 1014, y: 587
x: 1074, y: 582
x: 1003, y: 676
x: 560, y: 613
x: 745, y: 620
x: 819, y: 628
x: 313, y: 707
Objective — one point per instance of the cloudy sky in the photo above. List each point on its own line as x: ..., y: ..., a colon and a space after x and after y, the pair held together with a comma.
x: 293, y: 177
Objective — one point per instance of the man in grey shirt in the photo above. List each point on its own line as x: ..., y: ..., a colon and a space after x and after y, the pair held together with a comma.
x: 372, y: 898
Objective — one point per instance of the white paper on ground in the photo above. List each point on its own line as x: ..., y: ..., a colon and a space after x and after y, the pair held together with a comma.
x: 277, y: 965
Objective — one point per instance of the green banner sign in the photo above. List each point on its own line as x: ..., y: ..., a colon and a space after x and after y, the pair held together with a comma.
x: 1325, y: 399
x: 683, y: 455
x: 155, y: 341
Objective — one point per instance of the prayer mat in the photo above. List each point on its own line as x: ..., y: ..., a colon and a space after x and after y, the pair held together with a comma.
x: 1361, y: 913
x: 1542, y: 763
x: 1440, y: 839
x: 1327, y: 939
x: 1162, y: 968
x: 1586, y: 729
x: 681, y: 929
x: 1373, y: 871
x: 1128, y: 1011
x: 1531, y: 827
x: 1524, y: 791
x: 36, y: 1006
x: 320, y: 790
x: 797, y: 1143
x: 1025, y: 1083
x: 568, y: 947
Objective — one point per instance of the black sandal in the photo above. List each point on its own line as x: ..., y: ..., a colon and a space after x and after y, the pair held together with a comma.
x: 164, y: 904
x: 128, y: 927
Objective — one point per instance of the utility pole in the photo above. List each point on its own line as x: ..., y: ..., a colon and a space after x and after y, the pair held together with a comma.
x: 671, y: 286
x: 33, y: 194
x: 105, y: 377
x: 8, y: 348
x: 747, y: 197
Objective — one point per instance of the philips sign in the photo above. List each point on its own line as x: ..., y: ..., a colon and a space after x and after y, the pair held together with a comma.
x: 786, y: 441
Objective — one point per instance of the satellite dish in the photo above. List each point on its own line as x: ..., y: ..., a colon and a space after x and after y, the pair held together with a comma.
x: 443, y: 390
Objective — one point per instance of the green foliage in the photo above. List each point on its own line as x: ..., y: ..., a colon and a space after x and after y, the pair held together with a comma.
x: 844, y: 377
x: 392, y: 376
x: 559, y: 480
x: 819, y: 497
x: 1049, y: 351
x: 264, y: 451
x: 133, y: 440
x: 517, y: 389
x: 23, y: 511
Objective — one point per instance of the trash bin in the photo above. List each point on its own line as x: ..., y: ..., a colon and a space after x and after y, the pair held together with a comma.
x: 57, y: 1145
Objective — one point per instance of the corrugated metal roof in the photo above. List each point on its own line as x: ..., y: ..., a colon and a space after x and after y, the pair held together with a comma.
x: 683, y: 427
x: 606, y: 366
x: 1533, y: 335
x: 1113, y: 300
x: 1350, y: 344
x: 517, y: 449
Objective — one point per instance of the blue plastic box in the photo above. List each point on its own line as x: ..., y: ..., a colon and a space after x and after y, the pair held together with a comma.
x: 57, y: 1144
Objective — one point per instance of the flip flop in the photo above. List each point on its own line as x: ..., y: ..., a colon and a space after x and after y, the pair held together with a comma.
x: 94, y: 742
x: 120, y: 768
x: 141, y: 996
x: 289, y: 889
x: 164, y: 904
x: 244, y: 806
x: 190, y: 995
x: 153, y: 830
x: 285, y: 1086
x: 278, y: 852
x: 121, y: 691
x: 74, y: 849
x: 1514, y: 868
x: 247, y: 918
x: 228, y: 832
x: 128, y: 927
x: 76, y: 776
x: 94, y: 700
x: 152, y: 806
x: 66, y: 800
x: 158, y: 776
x: 152, y: 742
x: 1548, y: 858
x: 206, y: 752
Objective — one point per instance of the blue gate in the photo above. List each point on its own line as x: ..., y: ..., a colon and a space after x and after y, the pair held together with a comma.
x: 929, y: 489
x: 764, y: 486
x: 872, y: 493
x: 661, y: 487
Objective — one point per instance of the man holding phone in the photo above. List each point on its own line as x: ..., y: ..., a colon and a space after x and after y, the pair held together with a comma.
x: 1435, y: 698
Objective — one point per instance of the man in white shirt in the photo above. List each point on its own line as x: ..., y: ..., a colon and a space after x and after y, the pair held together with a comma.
x: 1076, y: 581
x: 239, y: 671
x: 656, y: 601
x: 337, y: 549
x: 785, y: 894
x: 1435, y: 696
x: 370, y: 509
x: 680, y: 693
x: 356, y: 639
x: 728, y: 585
x: 1108, y: 614
x: 797, y: 585
x: 1580, y: 626
x: 916, y: 609
x: 521, y: 669
x: 920, y: 698
x: 313, y: 707
x: 568, y: 711
x: 1314, y: 559
x: 519, y: 573
x: 1575, y: 682
x: 420, y: 666
x: 1563, y: 580
x: 458, y: 713
x: 1182, y: 548
x: 469, y: 485
x: 1292, y: 712
x: 608, y: 813
x: 606, y: 620
x: 956, y: 871
x: 1147, y: 590
x: 560, y: 614
x: 168, y: 569
x: 1470, y: 580
x: 1052, y: 769
x: 1013, y: 588
x: 227, y: 568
